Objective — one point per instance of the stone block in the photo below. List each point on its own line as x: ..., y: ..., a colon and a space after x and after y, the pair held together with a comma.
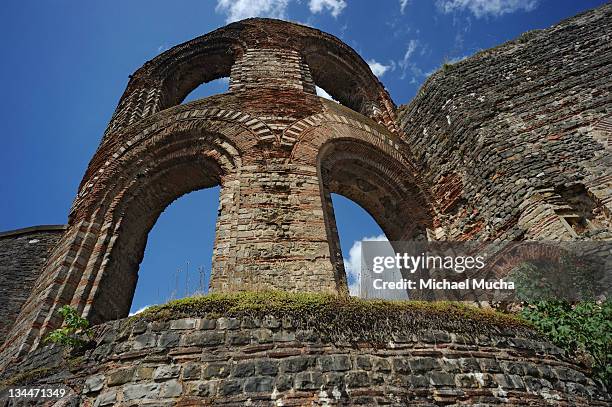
x: 335, y: 362
x: 258, y: 384
x: 94, y: 384
x: 146, y: 340
x: 355, y: 379
x: 183, y: 324
x: 308, y: 380
x: 214, y: 369
x: 106, y: 398
x: 266, y: 367
x: 423, y: 365
x: 228, y: 323
x: 243, y: 369
x: 120, y: 376
x: 203, y: 338
x: 192, y: 371
x: 201, y: 388
x: 441, y: 379
x: 166, y: 372
x: 171, y: 388
x: 230, y: 387
x: 168, y: 339
x: 295, y: 364
x: 140, y: 391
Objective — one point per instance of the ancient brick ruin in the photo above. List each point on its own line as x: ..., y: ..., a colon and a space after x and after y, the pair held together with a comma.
x: 512, y: 143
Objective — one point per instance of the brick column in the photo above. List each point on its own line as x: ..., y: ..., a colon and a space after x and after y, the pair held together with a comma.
x: 280, y: 69
x: 271, y: 232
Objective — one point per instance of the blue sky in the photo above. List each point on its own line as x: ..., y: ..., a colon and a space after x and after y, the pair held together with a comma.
x: 66, y: 63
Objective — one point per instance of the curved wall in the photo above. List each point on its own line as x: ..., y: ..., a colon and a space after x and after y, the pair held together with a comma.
x: 23, y: 252
x: 514, y: 142
x: 268, y: 362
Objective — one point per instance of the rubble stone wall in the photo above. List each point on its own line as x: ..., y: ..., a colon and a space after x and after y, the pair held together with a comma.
x: 514, y: 141
x: 268, y: 362
x: 23, y: 252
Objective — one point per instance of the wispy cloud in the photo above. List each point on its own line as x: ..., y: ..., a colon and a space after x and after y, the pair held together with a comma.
x: 352, y: 264
x: 485, y: 8
x: 241, y: 9
x: 403, y: 4
x: 408, y: 67
x: 335, y: 7
x: 377, y: 68
x: 410, y: 48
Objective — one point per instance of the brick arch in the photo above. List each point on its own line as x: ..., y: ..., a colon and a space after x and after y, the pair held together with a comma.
x: 362, y: 162
x: 164, y: 81
x: 111, y: 279
x: 377, y: 183
x: 348, y: 79
x: 227, y: 121
x: 95, y: 262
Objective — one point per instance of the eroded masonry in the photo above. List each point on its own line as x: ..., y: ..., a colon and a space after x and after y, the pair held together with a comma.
x: 512, y: 143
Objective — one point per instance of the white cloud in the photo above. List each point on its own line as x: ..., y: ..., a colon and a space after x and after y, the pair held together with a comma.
x: 352, y: 264
x: 403, y: 4
x: 241, y: 9
x: 484, y: 8
x: 138, y: 311
x: 407, y: 65
x: 321, y: 92
x: 412, y: 46
x: 334, y: 6
x: 377, y: 68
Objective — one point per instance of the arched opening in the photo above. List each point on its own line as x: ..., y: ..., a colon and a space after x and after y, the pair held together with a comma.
x: 185, y: 162
x: 378, y: 183
x: 185, y: 69
x: 178, y: 254
x: 343, y: 79
x: 354, y: 225
x: 206, y: 89
x: 384, y: 189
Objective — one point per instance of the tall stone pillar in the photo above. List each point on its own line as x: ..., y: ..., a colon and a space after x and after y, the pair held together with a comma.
x: 271, y: 230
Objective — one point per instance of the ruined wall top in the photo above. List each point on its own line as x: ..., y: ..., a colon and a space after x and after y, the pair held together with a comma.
x: 257, y: 54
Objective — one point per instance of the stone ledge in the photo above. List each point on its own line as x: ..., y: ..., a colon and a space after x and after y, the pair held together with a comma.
x: 33, y: 229
x: 157, y: 363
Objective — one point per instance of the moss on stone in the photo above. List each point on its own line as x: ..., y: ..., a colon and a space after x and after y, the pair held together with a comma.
x: 344, y: 318
x: 27, y: 377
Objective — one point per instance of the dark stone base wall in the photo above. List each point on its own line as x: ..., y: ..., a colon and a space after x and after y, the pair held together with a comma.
x: 22, y: 254
x: 268, y: 362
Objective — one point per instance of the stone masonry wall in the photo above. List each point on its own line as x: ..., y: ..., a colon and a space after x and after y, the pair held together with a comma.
x: 268, y: 362
x: 22, y: 255
x: 519, y: 132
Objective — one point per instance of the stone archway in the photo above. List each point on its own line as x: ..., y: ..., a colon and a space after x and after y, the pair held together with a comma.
x: 260, y: 142
x: 360, y: 160
x: 94, y: 266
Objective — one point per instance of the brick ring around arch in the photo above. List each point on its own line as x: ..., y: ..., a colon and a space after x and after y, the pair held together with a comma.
x: 108, y: 226
x: 239, y: 51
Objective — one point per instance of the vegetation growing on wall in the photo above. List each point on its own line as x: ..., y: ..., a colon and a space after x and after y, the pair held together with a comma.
x: 344, y: 318
x: 584, y: 328
x: 75, y: 331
